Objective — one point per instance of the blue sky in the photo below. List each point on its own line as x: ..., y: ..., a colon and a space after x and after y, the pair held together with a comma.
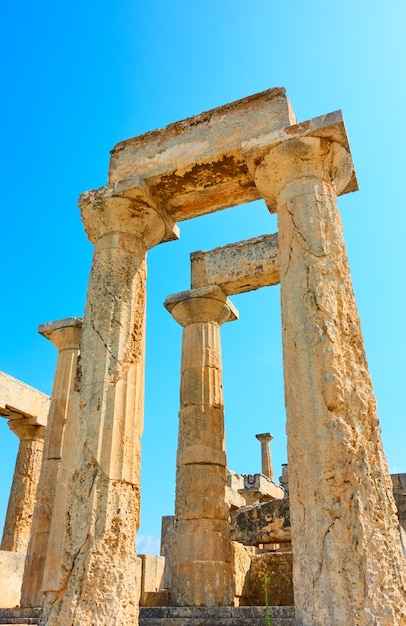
x: 79, y: 77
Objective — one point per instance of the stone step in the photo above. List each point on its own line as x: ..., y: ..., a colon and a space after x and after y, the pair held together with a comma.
x: 181, y: 616
x: 19, y: 616
x: 216, y: 616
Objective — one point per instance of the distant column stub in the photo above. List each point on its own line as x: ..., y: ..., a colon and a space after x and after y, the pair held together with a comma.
x: 266, y: 457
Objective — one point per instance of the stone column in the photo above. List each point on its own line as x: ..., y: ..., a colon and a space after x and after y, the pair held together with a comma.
x: 97, y: 582
x: 202, y: 574
x: 266, y: 457
x: 65, y: 335
x: 348, y: 566
x: 17, y: 527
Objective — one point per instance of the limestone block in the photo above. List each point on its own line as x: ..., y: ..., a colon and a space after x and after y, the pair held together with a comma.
x: 208, y: 481
x: 268, y: 522
x: 167, y: 529
x: 273, y: 570
x: 238, y: 267
x: 202, y: 426
x: 11, y: 576
x: 20, y: 400
x: 152, y: 577
x: 195, y: 166
x: 202, y: 540
x: 241, y: 560
x: 206, y: 583
x: 258, y: 488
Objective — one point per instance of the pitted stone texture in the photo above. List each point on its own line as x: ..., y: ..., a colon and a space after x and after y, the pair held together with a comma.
x: 17, y: 526
x: 217, y: 616
x: 271, y: 571
x: 348, y: 565
x: 268, y: 522
x: 195, y: 166
x: 98, y: 582
x: 399, y: 492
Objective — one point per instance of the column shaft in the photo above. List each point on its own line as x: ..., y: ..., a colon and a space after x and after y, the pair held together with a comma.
x: 98, y: 581
x: 348, y: 567
x: 50, y: 496
x: 17, y: 526
x: 202, y: 574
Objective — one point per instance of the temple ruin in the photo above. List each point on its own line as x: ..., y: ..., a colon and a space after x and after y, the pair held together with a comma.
x: 326, y: 540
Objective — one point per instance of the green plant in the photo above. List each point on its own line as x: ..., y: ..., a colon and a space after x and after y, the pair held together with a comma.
x: 268, y: 617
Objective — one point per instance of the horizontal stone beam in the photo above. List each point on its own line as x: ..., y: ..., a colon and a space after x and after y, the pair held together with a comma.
x: 238, y: 267
x: 208, y: 162
x: 195, y: 166
x: 19, y: 400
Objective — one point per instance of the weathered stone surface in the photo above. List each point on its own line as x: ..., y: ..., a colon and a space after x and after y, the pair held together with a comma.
x: 99, y: 569
x: 241, y: 560
x: 20, y: 400
x: 195, y: 166
x: 348, y: 565
x: 152, y: 578
x: 399, y: 492
x: 17, y: 526
x: 202, y: 570
x: 271, y: 571
x: 167, y: 528
x: 258, y: 488
x: 238, y: 267
x: 51, y: 492
x: 268, y: 522
x: 11, y: 575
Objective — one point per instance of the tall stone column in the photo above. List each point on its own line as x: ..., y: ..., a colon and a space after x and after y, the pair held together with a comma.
x: 66, y: 336
x: 348, y: 566
x: 202, y: 574
x: 97, y: 582
x: 17, y: 526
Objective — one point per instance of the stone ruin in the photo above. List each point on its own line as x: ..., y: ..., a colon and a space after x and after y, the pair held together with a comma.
x: 229, y: 533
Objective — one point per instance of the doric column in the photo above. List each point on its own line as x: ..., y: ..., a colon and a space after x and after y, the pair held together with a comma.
x: 348, y: 566
x: 202, y: 574
x: 98, y: 572
x: 65, y: 335
x: 17, y: 526
x: 266, y: 457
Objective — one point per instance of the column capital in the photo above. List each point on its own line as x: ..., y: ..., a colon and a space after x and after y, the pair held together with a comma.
x: 204, y: 304
x: 63, y: 334
x: 264, y: 437
x: 106, y: 212
x: 298, y: 158
x: 25, y: 430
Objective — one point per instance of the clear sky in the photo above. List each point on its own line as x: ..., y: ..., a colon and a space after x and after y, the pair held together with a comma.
x: 78, y: 77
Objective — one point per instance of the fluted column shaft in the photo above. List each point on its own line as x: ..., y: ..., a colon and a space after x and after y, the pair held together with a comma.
x: 65, y: 335
x: 17, y: 525
x: 98, y: 574
x: 348, y: 567
x: 202, y: 574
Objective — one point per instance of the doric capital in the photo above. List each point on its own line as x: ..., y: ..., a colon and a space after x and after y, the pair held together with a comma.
x: 63, y: 334
x: 204, y: 304
x: 305, y: 157
x: 25, y: 430
x: 104, y: 213
x: 264, y: 437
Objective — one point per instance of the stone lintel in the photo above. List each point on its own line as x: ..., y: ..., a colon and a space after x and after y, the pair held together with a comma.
x: 195, y: 166
x: 238, y: 267
x: 18, y: 400
x: 211, y: 292
x: 207, y: 163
